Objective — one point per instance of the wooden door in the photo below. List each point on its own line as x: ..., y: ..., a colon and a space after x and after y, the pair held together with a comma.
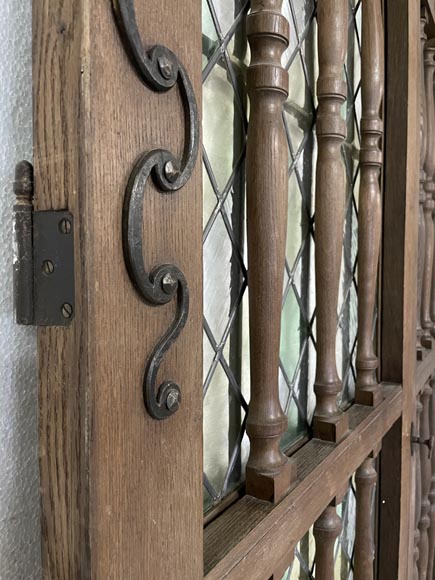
x: 262, y: 462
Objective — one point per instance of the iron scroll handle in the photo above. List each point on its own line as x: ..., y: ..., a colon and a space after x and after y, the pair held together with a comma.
x: 159, y: 69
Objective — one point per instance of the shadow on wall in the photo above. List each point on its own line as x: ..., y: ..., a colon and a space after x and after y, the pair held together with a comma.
x: 19, y: 478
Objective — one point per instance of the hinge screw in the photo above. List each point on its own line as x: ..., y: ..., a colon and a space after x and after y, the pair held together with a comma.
x: 165, y: 67
x: 67, y: 310
x: 48, y: 267
x: 65, y: 226
x: 173, y: 400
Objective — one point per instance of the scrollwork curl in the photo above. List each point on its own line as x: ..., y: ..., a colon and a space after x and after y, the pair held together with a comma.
x: 159, y: 69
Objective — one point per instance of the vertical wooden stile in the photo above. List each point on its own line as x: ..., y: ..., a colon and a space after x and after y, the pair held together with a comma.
x: 329, y: 422
x: 365, y: 479
x: 368, y: 391
x: 121, y: 493
x: 425, y: 469
x: 421, y: 344
x: 269, y: 473
x: 429, y: 189
x: 326, y: 530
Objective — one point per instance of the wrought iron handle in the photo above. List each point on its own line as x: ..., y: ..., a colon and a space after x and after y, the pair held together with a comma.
x: 428, y: 442
x: 160, y: 69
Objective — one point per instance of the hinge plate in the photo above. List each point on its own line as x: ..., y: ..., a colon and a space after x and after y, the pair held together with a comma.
x: 53, y: 268
x: 43, y: 259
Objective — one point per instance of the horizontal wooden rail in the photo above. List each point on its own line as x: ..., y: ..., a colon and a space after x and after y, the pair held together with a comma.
x: 251, y: 536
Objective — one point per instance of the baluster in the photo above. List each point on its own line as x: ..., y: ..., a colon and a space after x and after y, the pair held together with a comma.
x: 326, y: 530
x: 429, y: 188
x: 368, y: 391
x: 365, y: 479
x: 425, y: 470
x: 422, y: 195
x: 431, y: 563
x: 269, y: 473
x: 417, y: 480
x: 332, y: 15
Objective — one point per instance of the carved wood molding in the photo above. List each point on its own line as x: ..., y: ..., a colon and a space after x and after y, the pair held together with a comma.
x: 326, y: 530
x: 422, y: 196
x: 332, y: 17
x: 425, y: 468
x: 365, y: 480
x: 368, y: 391
x: 269, y: 473
x: 429, y: 190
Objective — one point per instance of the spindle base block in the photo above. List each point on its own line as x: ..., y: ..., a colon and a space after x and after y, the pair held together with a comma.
x: 369, y: 396
x: 426, y: 341
x: 331, y: 428
x: 273, y: 486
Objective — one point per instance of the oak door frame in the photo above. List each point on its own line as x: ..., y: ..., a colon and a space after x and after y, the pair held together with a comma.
x: 111, y: 477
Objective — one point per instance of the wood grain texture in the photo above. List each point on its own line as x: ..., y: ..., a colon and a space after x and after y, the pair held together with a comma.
x: 365, y: 480
x: 251, y: 536
x: 111, y: 477
x: 429, y: 189
x: 417, y: 489
x: 421, y: 339
x: 431, y: 560
x: 332, y: 16
x: 425, y: 482
x: 367, y: 390
x: 269, y: 473
x: 398, y: 279
x: 326, y: 530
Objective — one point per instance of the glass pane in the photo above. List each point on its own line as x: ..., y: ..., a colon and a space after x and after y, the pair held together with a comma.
x: 226, y: 334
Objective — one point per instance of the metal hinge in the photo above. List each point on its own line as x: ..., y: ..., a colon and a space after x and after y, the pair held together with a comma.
x: 43, y: 259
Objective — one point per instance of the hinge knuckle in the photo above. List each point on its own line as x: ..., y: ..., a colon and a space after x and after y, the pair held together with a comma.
x: 43, y: 260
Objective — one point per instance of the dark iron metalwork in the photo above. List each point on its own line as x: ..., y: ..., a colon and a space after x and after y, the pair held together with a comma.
x: 160, y: 69
x: 43, y: 258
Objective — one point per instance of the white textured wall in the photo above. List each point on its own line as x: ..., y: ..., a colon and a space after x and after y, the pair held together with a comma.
x: 19, y: 485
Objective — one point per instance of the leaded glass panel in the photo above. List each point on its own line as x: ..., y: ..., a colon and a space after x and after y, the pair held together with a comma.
x: 226, y: 325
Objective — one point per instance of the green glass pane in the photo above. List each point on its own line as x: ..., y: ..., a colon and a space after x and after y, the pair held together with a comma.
x: 292, y: 334
x: 223, y: 125
x: 222, y: 278
x: 216, y: 417
x: 297, y: 221
x: 227, y: 11
x: 209, y: 36
x: 209, y: 200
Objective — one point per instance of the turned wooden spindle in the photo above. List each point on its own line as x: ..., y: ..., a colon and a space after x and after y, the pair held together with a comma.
x: 365, y: 480
x: 422, y: 194
x: 431, y: 559
x: 326, y: 530
x: 417, y: 480
x: 426, y: 471
x: 269, y: 473
x: 429, y: 188
x: 368, y: 390
x: 329, y: 422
